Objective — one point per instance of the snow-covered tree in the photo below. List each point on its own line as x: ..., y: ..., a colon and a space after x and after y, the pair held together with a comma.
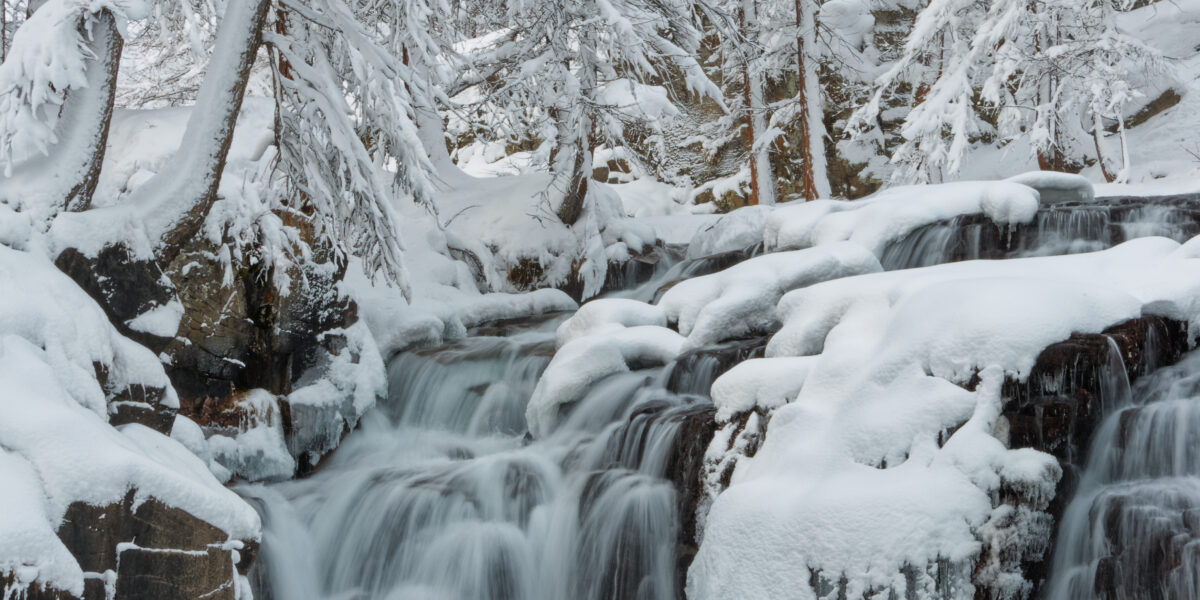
x: 595, y: 67
x: 1032, y: 66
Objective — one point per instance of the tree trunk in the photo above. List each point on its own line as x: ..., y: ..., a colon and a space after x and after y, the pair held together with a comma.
x: 91, y: 122
x: 575, y: 134
x: 176, y: 202
x: 762, y: 180
x: 1099, y: 152
x: 67, y: 177
x: 808, y: 183
x: 748, y: 136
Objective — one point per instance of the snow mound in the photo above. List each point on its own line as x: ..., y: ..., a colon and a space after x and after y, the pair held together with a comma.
x: 1058, y: 187
x: 765, y: 383
x: 736, y: 230
x: 57, y: 378
x: 37, y: 296
x: 59, y: 452
x: 608, y: 314
x: 741, y: 299
x: 583, y: 361
x: 893, y: 213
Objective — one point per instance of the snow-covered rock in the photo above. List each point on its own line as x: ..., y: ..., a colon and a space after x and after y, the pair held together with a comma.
x: 58, y: 378
x: 583, y: 361
x: 741, y: 299
x: 884, y: 467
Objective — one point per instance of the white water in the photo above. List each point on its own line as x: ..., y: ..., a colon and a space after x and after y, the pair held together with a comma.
x: 441, y: 496
x: 1133, y: 528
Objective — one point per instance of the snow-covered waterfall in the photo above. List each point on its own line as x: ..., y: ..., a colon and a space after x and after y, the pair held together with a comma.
x: 1133, y: 528
x: 441, y: 495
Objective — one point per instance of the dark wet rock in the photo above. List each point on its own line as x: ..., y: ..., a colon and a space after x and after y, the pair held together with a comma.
x: 240, y: 331
x: 1072, y: 386
x: 686, y: 470
x: 123, y: 284
x: 507, y: 327
x: 136, y: 403
x: 154, y: 574
x: 157, y: 551
x: 1057, y: 408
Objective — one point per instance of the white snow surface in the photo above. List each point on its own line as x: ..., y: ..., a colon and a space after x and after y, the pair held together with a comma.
x: 889, y: 215
x: 607, y: 314
x: 37, y: 297
x: 741, y: 299
x: 55, y: 436
x: 765, y: 383
x: 736, y: 230
x: 853, y: 477
x: 54, y: 446
x: 1062, y: 182
x: 583, y: 361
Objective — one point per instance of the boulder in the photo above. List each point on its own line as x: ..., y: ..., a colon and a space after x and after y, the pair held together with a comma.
x: 154, y: 551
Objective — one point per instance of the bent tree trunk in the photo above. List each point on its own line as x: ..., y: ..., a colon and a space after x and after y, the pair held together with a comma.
x: 175, y: 203
x: 121, y: 275
x: 88, y: 113
x: 66, y: 178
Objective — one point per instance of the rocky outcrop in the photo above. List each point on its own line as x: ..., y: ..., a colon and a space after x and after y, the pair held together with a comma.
x: 242, y: 330
x: 227, y: 331
x: 143, y: 549
x: 1073, y: 385
x: 696, y: 428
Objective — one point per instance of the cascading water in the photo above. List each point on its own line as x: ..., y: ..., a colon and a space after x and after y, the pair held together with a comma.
x: 1133, y: 528
x: 441, y: 495
x: 1060, y: 229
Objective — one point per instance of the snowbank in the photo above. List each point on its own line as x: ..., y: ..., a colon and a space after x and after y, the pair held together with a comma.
x: 608, y: 314
x: 763, y: 383
x: 893, y: 213
x: 59, y: 452
x: 36, y: 301
x: 63, y: 367
x: 1057, y: 187
x: 736, y: 230
x: 741, y: 299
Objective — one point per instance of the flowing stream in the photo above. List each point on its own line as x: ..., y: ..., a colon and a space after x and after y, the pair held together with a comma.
x: 440, y: 495
x: 1133, y: 528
